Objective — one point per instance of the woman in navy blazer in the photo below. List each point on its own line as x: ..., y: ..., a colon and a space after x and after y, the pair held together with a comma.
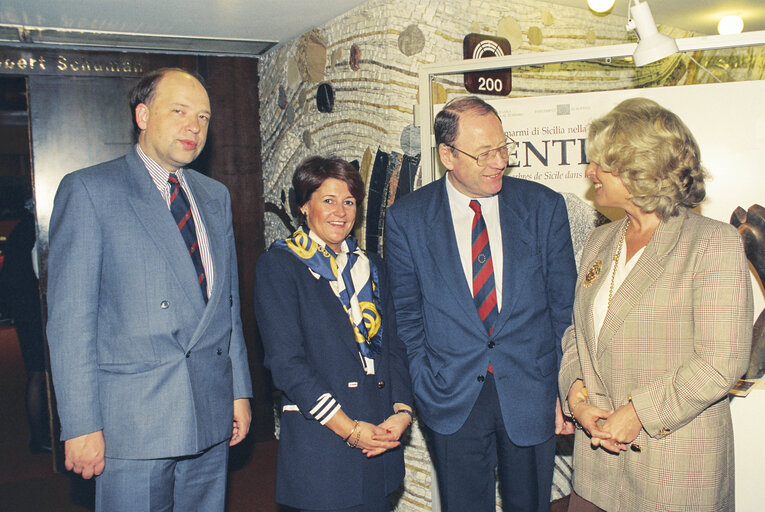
x: 325, y: 314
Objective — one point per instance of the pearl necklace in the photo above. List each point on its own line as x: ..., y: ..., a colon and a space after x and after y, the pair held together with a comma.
x: 616, y: 261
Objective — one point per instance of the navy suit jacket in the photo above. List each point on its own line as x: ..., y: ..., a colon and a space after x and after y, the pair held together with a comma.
x: 134, y: 350
x: 311, y: 350
x: 448, y: 346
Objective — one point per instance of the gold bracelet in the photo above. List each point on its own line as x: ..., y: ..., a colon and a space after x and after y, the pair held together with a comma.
x: 573, y: 418
x: 358, y: 436
x: 355, y: 426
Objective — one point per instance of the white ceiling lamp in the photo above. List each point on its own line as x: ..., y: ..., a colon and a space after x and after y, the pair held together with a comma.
x: 652, y: 45
x: 730, y: 25
x: 600, y: 6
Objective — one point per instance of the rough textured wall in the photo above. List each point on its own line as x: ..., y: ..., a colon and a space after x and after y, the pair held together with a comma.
x: 371, y: 56
x: 361, y: 70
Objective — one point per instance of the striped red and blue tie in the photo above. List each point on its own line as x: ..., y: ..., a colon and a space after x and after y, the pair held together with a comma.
x: 484, y: 291
x: 181, y: 210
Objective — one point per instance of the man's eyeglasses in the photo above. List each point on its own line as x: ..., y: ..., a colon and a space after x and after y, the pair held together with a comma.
x: 486, y: 157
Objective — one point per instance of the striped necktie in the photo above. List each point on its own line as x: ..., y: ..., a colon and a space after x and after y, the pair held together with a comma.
x: 181, y: 210
x: 484, y: 292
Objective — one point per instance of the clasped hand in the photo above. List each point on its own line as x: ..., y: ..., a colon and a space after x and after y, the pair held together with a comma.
x: 618, y: 428
x: 384, y: 436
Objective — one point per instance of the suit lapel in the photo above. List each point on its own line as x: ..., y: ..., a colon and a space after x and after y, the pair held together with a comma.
x: 646, y: 271
x: 155, y: 217
x: 442, y: 246
x: 603, y: 252
x: 212, y: 217
x: 517, y: 245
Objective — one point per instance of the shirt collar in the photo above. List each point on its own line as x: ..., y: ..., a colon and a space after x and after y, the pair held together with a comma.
x: 157, y: 172
x: 460, y: 203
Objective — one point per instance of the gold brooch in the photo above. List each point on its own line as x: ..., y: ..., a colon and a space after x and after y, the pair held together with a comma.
x: 592, y: 274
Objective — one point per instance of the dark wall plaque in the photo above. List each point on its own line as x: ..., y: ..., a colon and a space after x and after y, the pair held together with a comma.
x: 497, y: 82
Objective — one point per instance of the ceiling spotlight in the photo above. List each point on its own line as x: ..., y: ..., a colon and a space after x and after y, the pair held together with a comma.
x: 600, y: 6
x: 652, y: 45
x: 730, y: 25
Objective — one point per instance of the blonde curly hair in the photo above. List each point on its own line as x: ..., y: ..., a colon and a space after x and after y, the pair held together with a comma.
x: 654, y: 154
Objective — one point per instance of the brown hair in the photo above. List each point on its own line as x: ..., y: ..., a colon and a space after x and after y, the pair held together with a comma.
x: 312, y: 172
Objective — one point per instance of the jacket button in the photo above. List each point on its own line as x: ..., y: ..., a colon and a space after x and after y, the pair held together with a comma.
x: 188, y: 355
x: 635, y: 448
x: 491, y: 344
x: 231, y: 300
x: 381, y: 384
x: 164, y: 304
x: 220, y: 351
x: 480, y: 378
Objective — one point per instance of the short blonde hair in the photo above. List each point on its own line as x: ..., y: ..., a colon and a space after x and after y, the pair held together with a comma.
x: 654, y: 154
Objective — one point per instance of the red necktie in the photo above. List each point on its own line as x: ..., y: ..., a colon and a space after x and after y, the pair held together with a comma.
x: 484, y: 290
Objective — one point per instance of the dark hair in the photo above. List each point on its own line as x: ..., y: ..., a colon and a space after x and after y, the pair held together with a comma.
x: 447, y: 121
x: 144, y: 90
x: 312, y: 172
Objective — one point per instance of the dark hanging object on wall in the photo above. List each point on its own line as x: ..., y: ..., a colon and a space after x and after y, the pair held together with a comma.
x: 407, y: 176
x: 353, y: 61
x: 325, y: 98
x: 375, y: 198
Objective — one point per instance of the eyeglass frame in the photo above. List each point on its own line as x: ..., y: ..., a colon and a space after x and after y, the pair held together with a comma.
x: 511, y: 146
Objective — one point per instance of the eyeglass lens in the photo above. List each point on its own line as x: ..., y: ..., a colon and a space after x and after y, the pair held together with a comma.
x: 487, y: 156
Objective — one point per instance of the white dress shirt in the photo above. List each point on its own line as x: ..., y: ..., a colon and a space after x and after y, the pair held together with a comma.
x: 159, y: 175
x: 462, y: 219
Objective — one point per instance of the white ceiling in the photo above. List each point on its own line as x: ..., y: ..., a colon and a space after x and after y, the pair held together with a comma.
x: 282, y: 20
x: 700, y: 16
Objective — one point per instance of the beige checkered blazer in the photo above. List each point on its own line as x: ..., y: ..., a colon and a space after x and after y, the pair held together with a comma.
x: 676, y: 338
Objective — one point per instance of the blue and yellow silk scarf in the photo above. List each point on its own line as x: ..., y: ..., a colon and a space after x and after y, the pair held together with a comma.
x: 358, y: 291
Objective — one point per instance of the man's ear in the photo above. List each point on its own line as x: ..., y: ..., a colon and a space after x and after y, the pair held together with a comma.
x: 446, y: 155
x: 141, y: 115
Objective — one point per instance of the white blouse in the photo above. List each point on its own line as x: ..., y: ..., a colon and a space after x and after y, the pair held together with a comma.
x: 600, y: 304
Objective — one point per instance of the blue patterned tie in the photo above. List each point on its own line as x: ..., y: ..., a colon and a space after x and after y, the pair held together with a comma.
x: 181, y: 210
x: 484, y: 291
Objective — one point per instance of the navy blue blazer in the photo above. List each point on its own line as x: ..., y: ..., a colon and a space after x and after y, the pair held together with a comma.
x: 311, y: 350
x: 134, y: 350
x: 449, y: 348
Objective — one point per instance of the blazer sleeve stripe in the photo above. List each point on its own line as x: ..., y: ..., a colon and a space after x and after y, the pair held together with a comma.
x: 326, y: 407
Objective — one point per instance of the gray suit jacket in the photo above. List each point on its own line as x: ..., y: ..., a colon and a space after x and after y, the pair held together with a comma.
x: 676, y: 338
x: 134, y: 350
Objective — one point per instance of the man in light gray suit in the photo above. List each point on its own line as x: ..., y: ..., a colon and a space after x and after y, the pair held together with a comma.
x: 147, y: 353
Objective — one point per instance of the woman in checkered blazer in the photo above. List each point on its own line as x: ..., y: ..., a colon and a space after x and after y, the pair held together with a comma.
x: 662, y: 326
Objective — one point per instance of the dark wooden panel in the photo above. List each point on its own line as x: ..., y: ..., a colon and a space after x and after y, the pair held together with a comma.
x: 234, y: 158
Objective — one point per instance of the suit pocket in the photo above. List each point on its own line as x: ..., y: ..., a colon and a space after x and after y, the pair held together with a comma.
x: 547, y: 363
x: 128, y: 368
